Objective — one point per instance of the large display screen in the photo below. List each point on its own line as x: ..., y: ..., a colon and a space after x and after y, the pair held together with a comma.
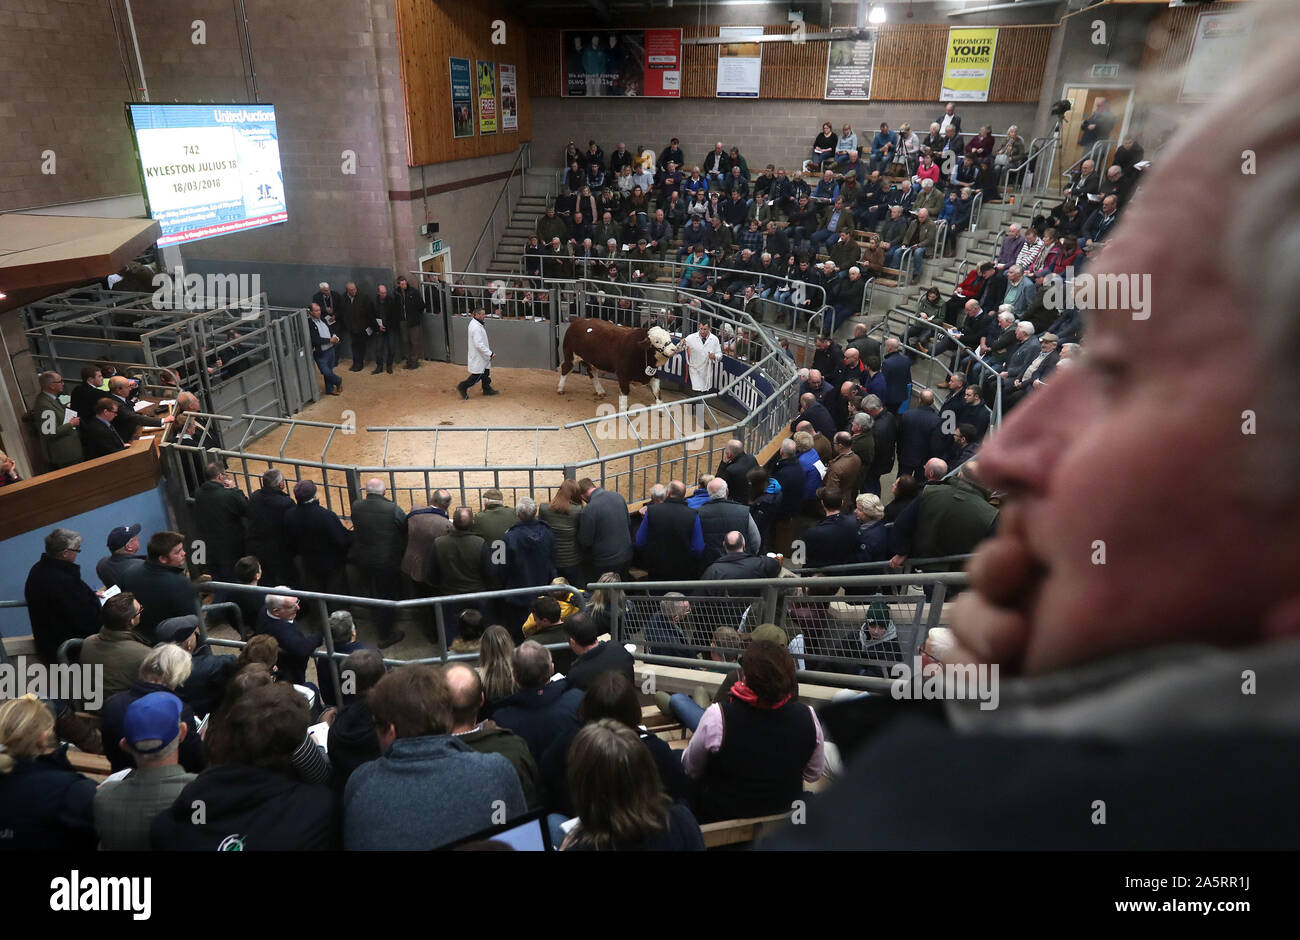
x: 208, y: 169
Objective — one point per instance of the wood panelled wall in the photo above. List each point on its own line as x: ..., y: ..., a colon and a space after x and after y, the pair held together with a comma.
x: 429, y: 33
x: 909, y: 64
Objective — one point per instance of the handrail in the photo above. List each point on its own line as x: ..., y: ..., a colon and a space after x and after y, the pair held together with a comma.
x: 631, y: 264
x: 977, y: 204
x: 995, y: 409
x: 525, y: 150
x: 1091, y: 154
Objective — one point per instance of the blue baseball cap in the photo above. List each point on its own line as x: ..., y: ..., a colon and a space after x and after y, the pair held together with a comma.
x: 152, y: 722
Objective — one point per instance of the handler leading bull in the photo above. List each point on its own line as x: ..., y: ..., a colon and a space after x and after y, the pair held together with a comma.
x: 632, y: 354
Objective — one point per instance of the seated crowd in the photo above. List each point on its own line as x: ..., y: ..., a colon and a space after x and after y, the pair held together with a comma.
x: 755, y: 241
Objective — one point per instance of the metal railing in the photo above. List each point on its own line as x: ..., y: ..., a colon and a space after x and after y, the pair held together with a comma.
x: 631, y: 470
x: 1101, y: 147
x: 523, y: 160
x: 960, y: 352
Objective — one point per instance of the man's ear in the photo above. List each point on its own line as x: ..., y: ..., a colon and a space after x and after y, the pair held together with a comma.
x: 184, y: 732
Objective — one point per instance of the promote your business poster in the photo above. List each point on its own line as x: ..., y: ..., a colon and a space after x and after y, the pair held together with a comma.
x: 969, y: 69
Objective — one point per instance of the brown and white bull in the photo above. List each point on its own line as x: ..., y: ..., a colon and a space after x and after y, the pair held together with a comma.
x: 633, y: 354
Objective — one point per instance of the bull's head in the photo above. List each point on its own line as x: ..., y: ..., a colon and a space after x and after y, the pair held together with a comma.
x: 661, y: 342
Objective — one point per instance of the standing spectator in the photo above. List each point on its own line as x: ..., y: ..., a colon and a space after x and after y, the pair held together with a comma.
x: 123, y: 544
x: 388, y: 326
x: 919, y: 435
x: 897, y: 368
x: 460, y: 563
x: 323, y: 352
x: 423, y: 528
x: 429, y: 788
x: 152, y: 735
x: 409, y: 307
x: 541, y: 710
x: 720, y: 514
x: 753, y: 753
x: 221, y: 512
x: 161, y: 585
x: 951, y: 517
x: 116, y: 648
x: 844, y: 470
x: 528, y: 560
x: 316, y: 536
x: 267, y: 539
x: 480, y: 358
x: 604, y: 530
x: 252, y: 798
x: 87, y: 392
x: 884, y: 431
x: 165, y: 669
x: 562, y: 514
x: 378, y: 544
x: 358, y: 316
x: 1097, y: 125
x: 487, y: 737
x: 738, y: 562
x: 45, y: 805
x: 278, y: 620
x: 60, y: 443
x: 670, y: 538
x: 734, y: 467
x: 832, y: 540
x: 495, y: 519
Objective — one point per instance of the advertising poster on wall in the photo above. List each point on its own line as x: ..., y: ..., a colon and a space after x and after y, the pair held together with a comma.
x: 462, y: 98
x: 509, y: 99
x: 849, y: 63
x: 621, y: 63
x: 487, y: 97
x: 1219, y: 47
x: 740, y: 61
x: 969, y: 69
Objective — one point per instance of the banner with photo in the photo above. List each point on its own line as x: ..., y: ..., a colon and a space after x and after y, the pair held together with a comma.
x: 969, y: 69
x: 462, y: 98
x: 740, y: 61
x: 509, y: 99
x: 487, y: 97
x: 849, y: 64
x: 621, y: 63
x: 1219, y: 47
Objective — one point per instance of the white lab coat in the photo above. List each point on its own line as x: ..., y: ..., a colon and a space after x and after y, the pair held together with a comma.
x: 479, y: 358
x: 698, y: 362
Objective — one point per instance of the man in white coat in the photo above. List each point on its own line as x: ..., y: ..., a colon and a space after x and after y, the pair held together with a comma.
x: 479, y: 358
x: 702, y: 351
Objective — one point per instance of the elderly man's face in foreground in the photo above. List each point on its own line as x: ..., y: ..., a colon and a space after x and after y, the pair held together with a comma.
x: 1138, y: 453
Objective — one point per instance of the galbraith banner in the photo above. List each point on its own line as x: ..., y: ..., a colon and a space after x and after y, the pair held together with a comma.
x: 622, y: 63
x: 969, y: 69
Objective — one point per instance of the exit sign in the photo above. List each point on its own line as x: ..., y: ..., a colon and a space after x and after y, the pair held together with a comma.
x: 1105, y: 71
x: 435, y: 247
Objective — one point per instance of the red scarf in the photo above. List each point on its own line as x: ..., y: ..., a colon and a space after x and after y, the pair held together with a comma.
x: 745, y: 694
